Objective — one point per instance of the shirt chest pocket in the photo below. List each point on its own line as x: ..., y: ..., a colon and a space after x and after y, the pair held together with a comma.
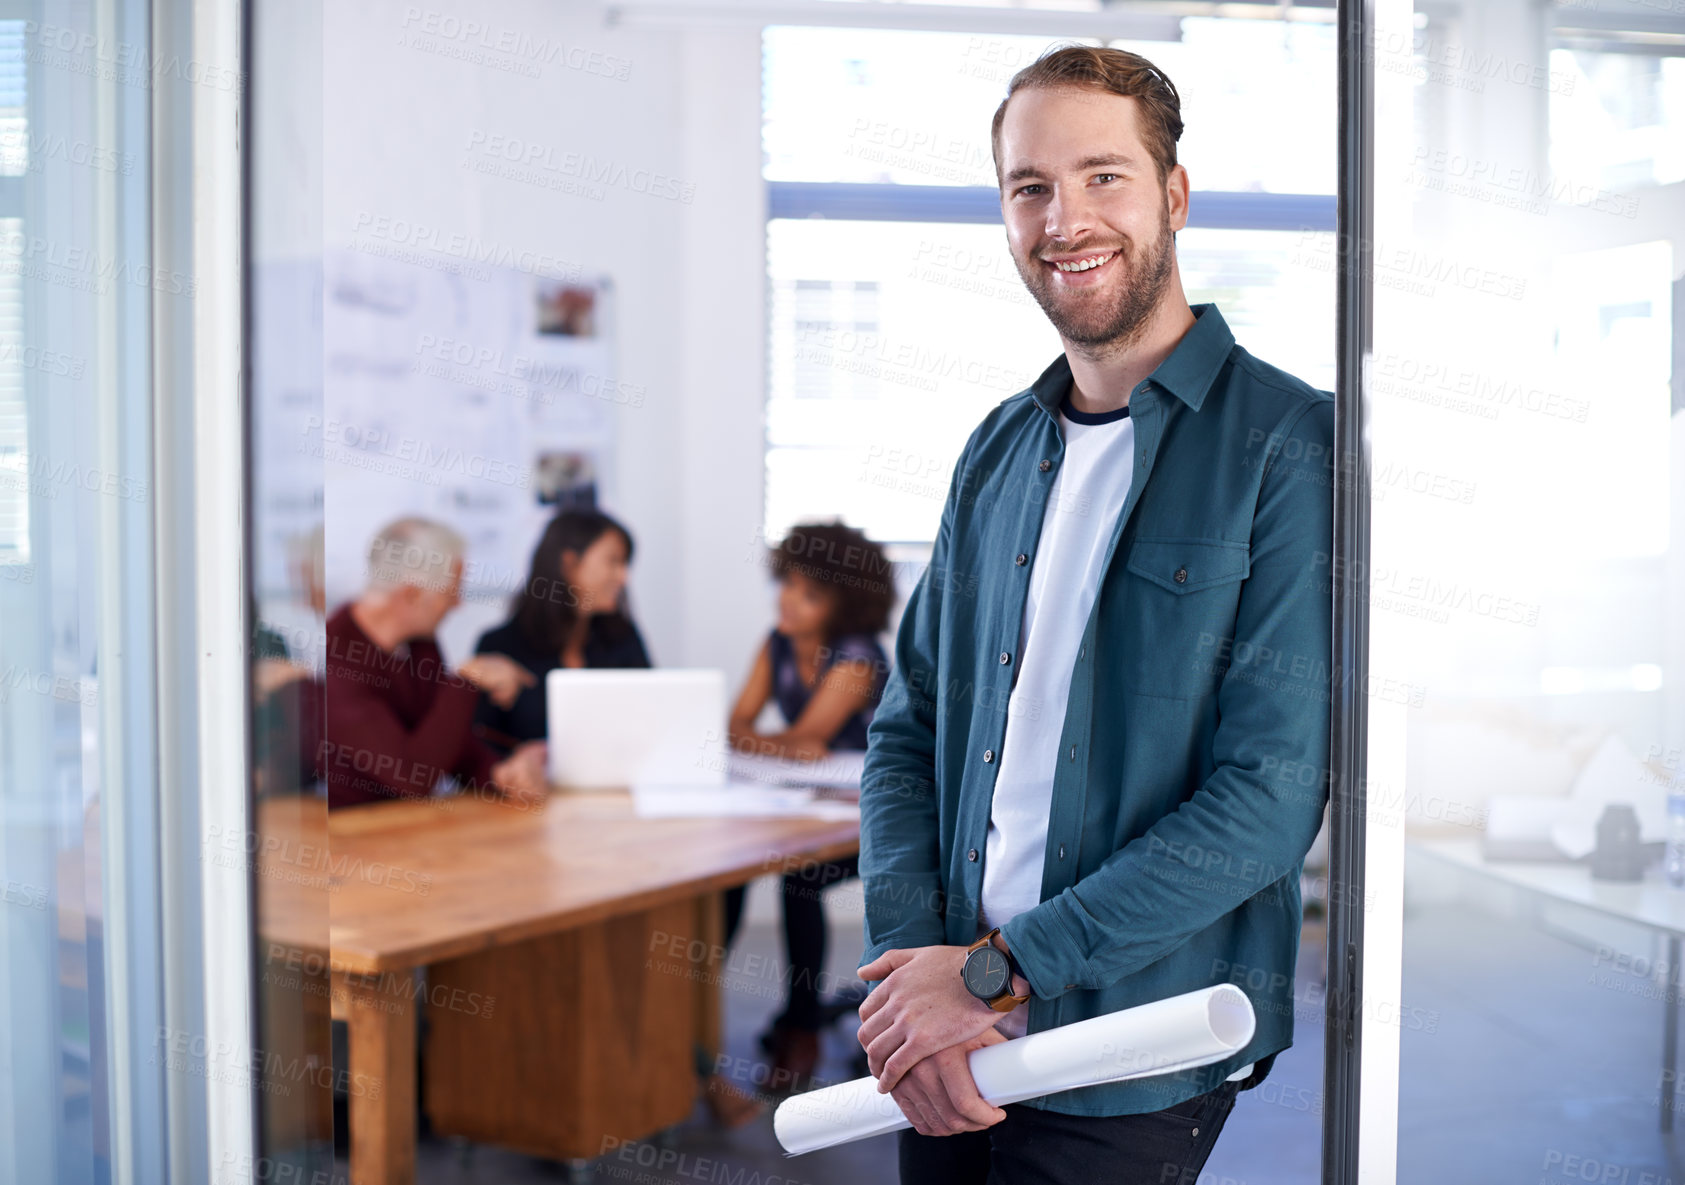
x: 1180, y: 616
x: 1187, y: 564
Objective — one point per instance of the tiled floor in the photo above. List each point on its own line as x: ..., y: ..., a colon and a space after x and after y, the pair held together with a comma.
x: 1494, y: 1089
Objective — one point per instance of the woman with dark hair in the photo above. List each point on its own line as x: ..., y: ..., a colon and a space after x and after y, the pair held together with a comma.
x: 571, y: 613
x: 823, y: 665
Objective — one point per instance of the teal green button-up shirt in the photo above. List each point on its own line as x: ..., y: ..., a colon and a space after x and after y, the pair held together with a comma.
x: 1192, y: 763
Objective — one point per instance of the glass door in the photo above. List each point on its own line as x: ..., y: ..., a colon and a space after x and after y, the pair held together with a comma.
x: 1526, y: 592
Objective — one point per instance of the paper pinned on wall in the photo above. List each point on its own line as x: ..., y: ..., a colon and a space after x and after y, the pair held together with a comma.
x: 1182, y: 1032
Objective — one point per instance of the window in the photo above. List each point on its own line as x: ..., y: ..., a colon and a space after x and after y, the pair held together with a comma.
x: 1614, y: 120
x: 897, y: 317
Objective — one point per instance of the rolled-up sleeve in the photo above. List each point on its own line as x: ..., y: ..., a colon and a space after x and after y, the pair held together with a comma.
x: 1253, y: 819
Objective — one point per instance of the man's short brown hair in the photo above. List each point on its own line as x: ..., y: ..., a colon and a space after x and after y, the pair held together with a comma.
x: 1115, y: 71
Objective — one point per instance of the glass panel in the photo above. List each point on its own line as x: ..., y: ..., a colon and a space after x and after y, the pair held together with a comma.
x: 287, y: 569
x: 82, y: 1068
x: 1526, y: 584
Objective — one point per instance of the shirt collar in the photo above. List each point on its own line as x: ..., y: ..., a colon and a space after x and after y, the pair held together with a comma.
x: 1187, y: 372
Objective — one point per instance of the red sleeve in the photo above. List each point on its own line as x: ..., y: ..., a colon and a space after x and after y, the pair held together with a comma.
x: 478, y: 758
x: 310, y: 707
x: 368, y: 754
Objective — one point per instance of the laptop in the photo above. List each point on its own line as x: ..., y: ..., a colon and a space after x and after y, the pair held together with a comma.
x: 613, y: 729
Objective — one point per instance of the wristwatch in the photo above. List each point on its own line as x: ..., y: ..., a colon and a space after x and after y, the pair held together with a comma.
x: 988, y: 972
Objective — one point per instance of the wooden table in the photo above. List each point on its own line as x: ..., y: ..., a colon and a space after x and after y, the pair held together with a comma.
x: 571, y: 954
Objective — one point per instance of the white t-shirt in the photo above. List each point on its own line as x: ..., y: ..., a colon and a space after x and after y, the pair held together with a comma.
x: 1082, y: 508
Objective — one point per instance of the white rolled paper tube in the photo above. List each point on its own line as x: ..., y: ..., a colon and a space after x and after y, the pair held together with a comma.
x: 1177, y: 1033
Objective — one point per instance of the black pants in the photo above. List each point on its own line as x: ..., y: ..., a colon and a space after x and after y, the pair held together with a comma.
x: 732, y: 907
x: 1035, y: 1147
x: 804, y: 936
x: 804, y: 933
x: 804, y: 939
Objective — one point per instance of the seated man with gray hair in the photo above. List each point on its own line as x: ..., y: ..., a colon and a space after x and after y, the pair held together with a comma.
x: 397, y: 720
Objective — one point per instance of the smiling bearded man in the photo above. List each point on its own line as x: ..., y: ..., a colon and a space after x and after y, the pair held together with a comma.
x: 1137, y: 527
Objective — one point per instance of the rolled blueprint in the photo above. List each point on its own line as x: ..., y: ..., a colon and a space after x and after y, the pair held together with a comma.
x: 1178, y: 1033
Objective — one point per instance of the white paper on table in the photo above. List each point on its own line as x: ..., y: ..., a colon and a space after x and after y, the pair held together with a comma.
x: 683, y: 801
x: 844, y: 769
x: 1177, y: 1033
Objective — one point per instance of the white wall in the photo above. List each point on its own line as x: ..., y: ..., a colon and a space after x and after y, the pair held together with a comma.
x: 406, y: 91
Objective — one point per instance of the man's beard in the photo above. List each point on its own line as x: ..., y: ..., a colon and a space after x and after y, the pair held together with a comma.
x: 1088, y: 319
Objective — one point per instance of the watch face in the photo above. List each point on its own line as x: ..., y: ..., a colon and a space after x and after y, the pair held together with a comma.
x: 986, y: 972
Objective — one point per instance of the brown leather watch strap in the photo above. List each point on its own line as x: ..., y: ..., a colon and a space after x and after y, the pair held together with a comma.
x: 1006, y: 1001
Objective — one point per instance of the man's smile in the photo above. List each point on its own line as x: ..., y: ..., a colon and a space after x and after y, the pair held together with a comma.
x: 1077, y: 269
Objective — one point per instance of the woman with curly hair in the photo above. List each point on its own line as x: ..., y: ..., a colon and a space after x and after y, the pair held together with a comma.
x: 824, y: 667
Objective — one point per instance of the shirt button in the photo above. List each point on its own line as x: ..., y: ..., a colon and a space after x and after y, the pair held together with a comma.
x: 1046, y: 464
x: 1022, y: 559
x: 1005, y: 658
x: 988, y: 755
x: 1181, y: 576
x: 1082, y: 652
x: 1073, y: 752
x: 972, y: 855
x: 1061, y: 851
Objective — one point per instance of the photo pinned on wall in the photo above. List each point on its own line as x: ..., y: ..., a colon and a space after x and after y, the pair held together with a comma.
x: 566, y: 479
x: 565, y: 310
